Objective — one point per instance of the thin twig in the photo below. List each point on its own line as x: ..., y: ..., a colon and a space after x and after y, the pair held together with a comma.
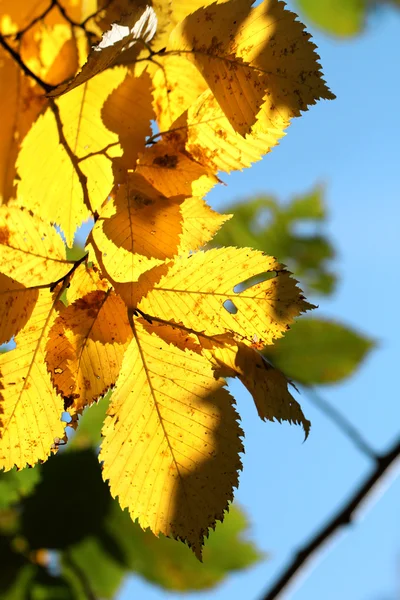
x: 40, y: 17
x: 342, y: 423
x: 342, y: 518
x: 46, y: 86
x: 74, y: 160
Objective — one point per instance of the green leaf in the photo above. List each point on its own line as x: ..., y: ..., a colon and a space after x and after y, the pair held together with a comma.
x: 90, y: 423
x: 319, y: 351
x: 173, y: 566
x: 343, y: 18
x: 16, y: 484
x: 291, y: 232
x: 92, y: 566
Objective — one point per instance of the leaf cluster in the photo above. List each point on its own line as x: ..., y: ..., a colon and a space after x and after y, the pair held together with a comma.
x: 145, y: 310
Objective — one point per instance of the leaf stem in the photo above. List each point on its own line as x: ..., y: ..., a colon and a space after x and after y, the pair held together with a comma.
x: 342, y: 423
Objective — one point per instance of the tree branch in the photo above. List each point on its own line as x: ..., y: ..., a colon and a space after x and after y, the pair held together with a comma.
x: 46, y: 86
x: 342, y: 423
x: 342, y: 518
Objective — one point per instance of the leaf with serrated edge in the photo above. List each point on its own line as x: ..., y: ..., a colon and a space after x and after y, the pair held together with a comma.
x: 56, y: 186
x: 85, y: 280
x: 128, y: 112
x: 206, y: 135
x: 258, y: 62
x: 16, y: 305
x: 172, y: 173
x: 195, y: 288
x: 139, y: 25
x: 31, y: 251
x: 137, y: 229
x: 267, y: 385
x: 30, y: 408
x: 86, y: 346
x: 171, y: 440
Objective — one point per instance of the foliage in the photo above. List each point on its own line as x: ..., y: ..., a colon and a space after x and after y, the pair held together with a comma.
x: 71, y: 512
x: 145, y: 309
x: 334, y: 350
x: 343, y: 18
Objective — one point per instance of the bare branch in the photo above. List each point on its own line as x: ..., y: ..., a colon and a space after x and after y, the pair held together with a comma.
x: 342, y: 423
x: 342, y: 518
x: 46, y: 86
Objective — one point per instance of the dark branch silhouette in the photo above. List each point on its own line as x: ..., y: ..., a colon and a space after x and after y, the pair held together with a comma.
x: 341, y: 423
x: 342, y: 518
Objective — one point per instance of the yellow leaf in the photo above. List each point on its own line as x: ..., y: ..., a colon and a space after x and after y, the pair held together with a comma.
x: 206, y: 135
x: 19, y: 108
x: 177, y: 85
x: 258, y: 62
x: 172, y: 173
x: 31, y: 251
x: 15, y: 16
x: 16, y: 305
x: 86, y: 346
x: 171, y: 440
x: 30, y: 408
x: 137, y: 229
x: 49, y: 50
x: 141, y: 24
x: 85, y: 280
x: 199, y: 224
x: 128, y: 112
x: 267, y: 385
x: 194, y: 291
x: 170, y: 14
x: 61, y: 183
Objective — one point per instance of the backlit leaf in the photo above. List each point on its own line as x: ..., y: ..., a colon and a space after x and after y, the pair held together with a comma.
x: 171, y: 440
x: 267, y: 385
x: 258, y: 62
x: 173, y: 173
x: 19, y: 108
x: 82, y: 161
x: 139, y: 25
x: 31, y: 410
x: 86, y: 347
x: 137, y: 229
x: 31, y: 251
x: 16, y: 305
x: 194, y: 291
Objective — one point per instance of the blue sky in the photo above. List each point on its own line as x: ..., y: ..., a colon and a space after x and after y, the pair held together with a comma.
x: 288, y: 488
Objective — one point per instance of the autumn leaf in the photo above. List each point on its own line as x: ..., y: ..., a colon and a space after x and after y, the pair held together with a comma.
x: 194, y: 291
x: 139, y: 25
x: 174, y: 173
x: 177, y: 85
x: 85, y: 280
x: 19, y: 109
x: 258, y: 62
x: 82, y: 163
x: 31, y: 410
x: 171, y: 440
x: 31, y: 251
x: 128, y: 112
x: 86, y: 346
x: 267, y: 385
x: 137, y: 229
x: 16, y: 305
x: 168, y: 96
